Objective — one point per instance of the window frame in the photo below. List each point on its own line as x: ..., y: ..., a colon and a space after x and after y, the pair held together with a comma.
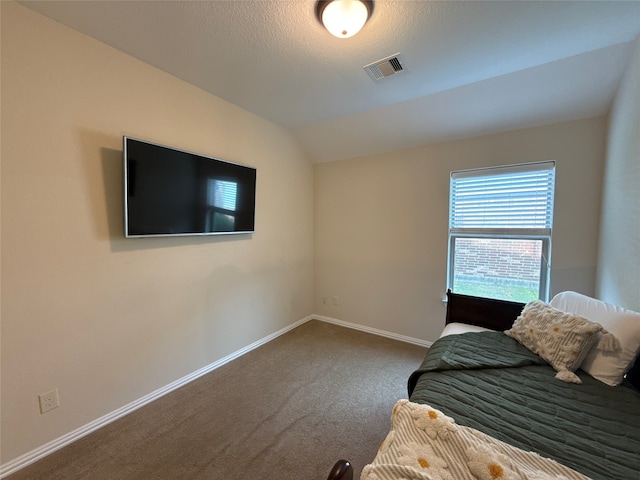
x: 516, y: 233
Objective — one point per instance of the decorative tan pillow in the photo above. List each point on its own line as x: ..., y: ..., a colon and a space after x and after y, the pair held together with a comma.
x: 563, y: 339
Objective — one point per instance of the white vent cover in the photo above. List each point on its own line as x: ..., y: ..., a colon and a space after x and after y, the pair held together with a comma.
x: 385, y: 67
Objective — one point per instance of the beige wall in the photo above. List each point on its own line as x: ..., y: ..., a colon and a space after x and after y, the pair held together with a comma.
x: 104, y: 319
x: 381, y: 222
x: 618, y: 279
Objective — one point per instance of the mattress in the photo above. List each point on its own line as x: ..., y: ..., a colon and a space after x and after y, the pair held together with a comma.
x: 458, y: 328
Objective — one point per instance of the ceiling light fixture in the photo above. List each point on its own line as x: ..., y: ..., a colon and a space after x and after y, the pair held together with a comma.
x: 344, y: 18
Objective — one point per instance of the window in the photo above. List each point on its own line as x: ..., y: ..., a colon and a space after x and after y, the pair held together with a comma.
x: 221, y: 215
x: 500, y: 222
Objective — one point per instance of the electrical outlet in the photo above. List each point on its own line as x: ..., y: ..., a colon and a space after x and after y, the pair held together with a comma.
x: 49, y: 401
x: 336, y: 301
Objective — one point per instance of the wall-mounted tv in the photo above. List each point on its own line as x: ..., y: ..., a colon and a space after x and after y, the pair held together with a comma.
x: 173, y: 192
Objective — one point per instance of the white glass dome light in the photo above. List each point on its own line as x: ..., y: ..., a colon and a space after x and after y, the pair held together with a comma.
x: 344, y: 18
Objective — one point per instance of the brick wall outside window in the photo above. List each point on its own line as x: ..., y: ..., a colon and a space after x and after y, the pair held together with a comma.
x: 500, y: 259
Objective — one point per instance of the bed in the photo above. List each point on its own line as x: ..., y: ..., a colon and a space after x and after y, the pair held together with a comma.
x: 519, y: 391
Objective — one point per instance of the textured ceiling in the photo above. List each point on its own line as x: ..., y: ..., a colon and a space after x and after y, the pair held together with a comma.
x: 471, y: 67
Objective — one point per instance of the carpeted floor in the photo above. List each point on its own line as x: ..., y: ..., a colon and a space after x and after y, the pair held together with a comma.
x: 286, y: 410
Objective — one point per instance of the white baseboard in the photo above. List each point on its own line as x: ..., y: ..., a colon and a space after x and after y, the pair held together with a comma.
x: 375, y: 331
x: 33, y: 456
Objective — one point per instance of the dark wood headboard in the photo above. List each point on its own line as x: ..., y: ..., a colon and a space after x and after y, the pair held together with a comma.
x: 483, y: 312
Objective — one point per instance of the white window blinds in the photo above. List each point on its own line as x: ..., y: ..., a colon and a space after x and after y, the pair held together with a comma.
x: 510, y: 199
x: 223, y: 194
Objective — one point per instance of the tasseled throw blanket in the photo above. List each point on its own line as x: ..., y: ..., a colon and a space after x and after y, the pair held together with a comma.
x: 423, y: 443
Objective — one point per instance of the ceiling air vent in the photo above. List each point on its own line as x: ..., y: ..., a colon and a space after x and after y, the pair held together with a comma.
x: 385, y: 67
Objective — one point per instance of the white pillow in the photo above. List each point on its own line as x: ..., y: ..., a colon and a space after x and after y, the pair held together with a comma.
x: 608, y: 367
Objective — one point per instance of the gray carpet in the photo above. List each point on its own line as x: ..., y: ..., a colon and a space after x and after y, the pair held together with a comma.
x: 286, y: 410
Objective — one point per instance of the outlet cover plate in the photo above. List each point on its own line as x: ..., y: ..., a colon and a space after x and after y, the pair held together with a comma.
x: 49, y: 400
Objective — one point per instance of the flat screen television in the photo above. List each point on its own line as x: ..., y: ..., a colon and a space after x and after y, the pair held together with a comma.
x: 171, y: 192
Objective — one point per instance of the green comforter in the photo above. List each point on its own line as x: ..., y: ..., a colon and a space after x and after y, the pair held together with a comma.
x: 488, y: 381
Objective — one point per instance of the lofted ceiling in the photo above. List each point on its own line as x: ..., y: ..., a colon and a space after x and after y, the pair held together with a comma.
x: 470, y: 67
